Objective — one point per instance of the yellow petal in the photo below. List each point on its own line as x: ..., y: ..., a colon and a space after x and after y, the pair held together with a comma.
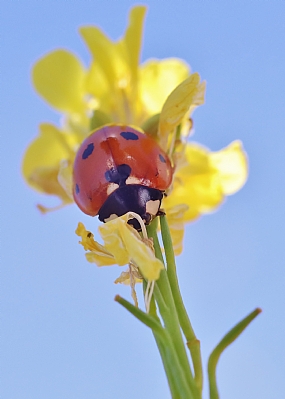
x: 98, y: 254
x: 204, y: 178
x: 140, y: 253
x: 59, y: 78
x: 42, y: 159
x: 104, y: 52
x: 125, y: 244
x: 175, y: 218
x: 110, y: 232
x: 196, y: 184
x: 133, y: 38
x: 96, y: 84
x: 231, y: 164
x: 125, y: 278
x: 157, y: 79
x: 64, y: 176
x: 184, y: 98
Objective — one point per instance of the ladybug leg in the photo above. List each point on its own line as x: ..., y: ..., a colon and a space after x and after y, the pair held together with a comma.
x: 161, y: 212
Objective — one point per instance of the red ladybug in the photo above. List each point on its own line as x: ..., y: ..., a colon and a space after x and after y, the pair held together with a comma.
x: 118, y: 169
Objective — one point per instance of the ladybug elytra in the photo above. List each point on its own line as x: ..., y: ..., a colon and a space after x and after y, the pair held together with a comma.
x: 119, y: 169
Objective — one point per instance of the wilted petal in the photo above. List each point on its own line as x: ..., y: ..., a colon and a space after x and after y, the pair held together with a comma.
x: 98, y: 254
x: 124, y: 242
x: 114, y: 243
x: 59, y: 78
x: 140, y: 253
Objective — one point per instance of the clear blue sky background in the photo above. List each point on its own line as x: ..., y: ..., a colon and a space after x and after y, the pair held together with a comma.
x: 63, y: 336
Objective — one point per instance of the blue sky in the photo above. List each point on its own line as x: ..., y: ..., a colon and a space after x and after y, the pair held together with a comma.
x: 63, y: 335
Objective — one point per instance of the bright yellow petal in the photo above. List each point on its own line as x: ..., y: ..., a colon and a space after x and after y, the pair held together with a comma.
x: 157, y: 79
x: 96, y: 84
x: 104, y: 53
x: 98, y: 254
x: 185, y: 97
x: 133, y: 39
x: 204, y: 178
x: 59, y: 78
x: 231, y: 164
x: 196, y: 184
x: 42, y: 160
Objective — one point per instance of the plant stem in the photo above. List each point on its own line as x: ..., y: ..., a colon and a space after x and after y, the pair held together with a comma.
x: 170, y: 318
x: 192, y: 342
x: 222, y: 345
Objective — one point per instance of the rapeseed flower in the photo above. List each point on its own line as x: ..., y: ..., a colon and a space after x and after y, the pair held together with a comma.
x: 158, y: 96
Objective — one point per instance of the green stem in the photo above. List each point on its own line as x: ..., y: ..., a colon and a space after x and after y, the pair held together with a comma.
x: 168, y: 366
x: 222, y: 345
x: 170, y: 318
x: 192, y: 342
x: 178, y: 386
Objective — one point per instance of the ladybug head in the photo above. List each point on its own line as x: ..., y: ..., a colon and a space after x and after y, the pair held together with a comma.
x: 142, y: 200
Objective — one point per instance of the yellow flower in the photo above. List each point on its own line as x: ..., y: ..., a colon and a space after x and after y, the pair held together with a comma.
x: 205, y: 178
x: 157, y: 96
x: 122, y: 245
x: 115, y: 88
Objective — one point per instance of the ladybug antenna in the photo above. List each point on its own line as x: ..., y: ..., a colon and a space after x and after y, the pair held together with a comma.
x: 133, y: 215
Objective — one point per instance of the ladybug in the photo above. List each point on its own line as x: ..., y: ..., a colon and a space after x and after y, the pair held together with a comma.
x: 119, y: 169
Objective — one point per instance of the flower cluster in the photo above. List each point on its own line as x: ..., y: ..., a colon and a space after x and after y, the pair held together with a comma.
x: 157, y: 96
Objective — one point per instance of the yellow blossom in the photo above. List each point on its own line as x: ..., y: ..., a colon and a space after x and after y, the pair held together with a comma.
x: 122, y: 245
x: 204, y: 178
x: 157, y: 96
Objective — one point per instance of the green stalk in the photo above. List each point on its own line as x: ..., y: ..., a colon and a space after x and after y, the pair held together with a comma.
x: 222, y: 345
x: 178, y: 386
x: 192, y: 342
x: 170, y: 318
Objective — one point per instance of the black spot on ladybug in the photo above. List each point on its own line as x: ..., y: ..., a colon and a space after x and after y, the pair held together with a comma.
x: 161, y: 157
x: 77, y: 190
x: 129, y: 135
x: 118, y: 174
x: 88, y: 151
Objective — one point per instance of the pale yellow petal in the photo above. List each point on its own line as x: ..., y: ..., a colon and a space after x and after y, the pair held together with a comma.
x: 157, y: 79
x: 140, y: 253
x: 185, y: 97
x: 110, y: 232
x: 59, y: 78
x: 65, y: 176
x: 231, y: 163
x: 176, y: 220
x: 100, y: 259
x: 98, y: 254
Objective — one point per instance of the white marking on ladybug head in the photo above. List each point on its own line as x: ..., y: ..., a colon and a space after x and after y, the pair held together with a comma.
x: 112, y: 187
x: 152, y: 207
x: 111, y: 217
x: 133, y: 180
